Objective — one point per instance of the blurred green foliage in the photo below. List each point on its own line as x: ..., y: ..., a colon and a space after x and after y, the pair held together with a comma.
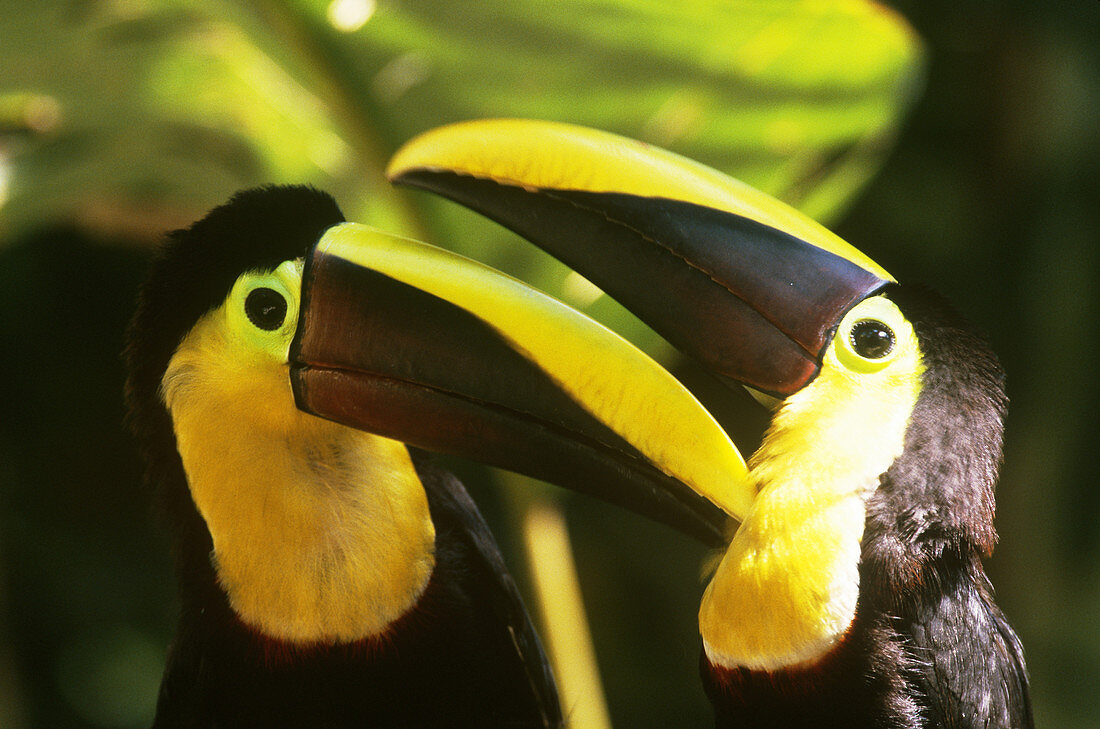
x: 171, y: 106
x: 122, y: 118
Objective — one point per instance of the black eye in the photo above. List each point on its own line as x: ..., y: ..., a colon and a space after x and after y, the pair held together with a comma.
x: 265, y: 308
x: 872, y: 339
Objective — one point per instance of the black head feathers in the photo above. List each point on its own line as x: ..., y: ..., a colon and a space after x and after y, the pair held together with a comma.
x: 195, y: 270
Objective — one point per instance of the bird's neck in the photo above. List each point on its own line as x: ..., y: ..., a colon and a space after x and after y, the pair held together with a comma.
x: 786, y: 590
x: 321, y: 533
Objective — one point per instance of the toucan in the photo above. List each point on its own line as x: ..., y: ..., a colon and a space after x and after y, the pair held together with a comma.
x: 285, y: 368
x: 852, y: 592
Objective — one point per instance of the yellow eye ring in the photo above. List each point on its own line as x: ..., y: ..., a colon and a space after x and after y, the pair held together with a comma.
x: 263, y: 307
x: 868, y: 338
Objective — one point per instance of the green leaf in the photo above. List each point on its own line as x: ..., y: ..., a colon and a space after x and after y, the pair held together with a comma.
x: 170, y: 106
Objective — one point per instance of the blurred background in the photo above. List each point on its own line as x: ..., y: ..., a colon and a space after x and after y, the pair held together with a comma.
x: 954, y: 142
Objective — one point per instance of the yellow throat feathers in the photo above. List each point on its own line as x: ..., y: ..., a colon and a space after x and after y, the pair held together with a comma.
x: 786, y: 590
x: 321, y: 533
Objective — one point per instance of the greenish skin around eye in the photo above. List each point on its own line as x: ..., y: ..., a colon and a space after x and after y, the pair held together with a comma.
x: 262, y: 309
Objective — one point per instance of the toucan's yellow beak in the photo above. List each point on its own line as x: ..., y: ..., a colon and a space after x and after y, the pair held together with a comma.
x: 423, y: 346
x: 747, y: 285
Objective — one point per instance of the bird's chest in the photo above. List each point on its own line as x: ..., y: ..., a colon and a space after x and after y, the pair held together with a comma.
x: 786, y: 590
x: 320, y: 534
x: 863, y: 682
x: 444, y: 663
